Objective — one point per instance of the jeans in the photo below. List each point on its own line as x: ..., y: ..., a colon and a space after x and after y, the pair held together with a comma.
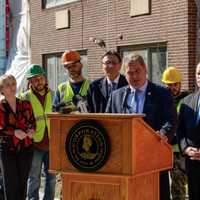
x: 40, y: 159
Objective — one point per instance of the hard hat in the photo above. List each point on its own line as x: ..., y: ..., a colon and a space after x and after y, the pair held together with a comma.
x: 34, y: 70
x: 171, y: 75
x: 69, y: 57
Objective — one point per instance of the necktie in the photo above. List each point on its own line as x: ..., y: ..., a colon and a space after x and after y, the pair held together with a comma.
x: 111, y: 87
x: 114, y: 86
x: 133, y: 102
x: 198, y: 111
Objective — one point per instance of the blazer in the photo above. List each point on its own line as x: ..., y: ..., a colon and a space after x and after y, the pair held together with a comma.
x: 98, y: 96
x: 159, y: 109
x: 188, y: 132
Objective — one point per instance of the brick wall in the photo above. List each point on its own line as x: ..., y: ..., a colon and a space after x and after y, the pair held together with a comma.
x: 170, y: 21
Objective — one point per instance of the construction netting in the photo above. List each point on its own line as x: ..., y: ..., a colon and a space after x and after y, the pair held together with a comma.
x: 20, y: 51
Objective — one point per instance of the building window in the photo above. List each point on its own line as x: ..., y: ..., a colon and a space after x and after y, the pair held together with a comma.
x: 53, y: 3
x: 155, y: 57
x: 140, y: 7
x: 56, y: 73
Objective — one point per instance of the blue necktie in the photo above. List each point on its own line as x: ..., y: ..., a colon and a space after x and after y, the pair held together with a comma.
x: 198, y: 112
x: 111, y: 87
x: 133, y: 102
x: 114, y: 86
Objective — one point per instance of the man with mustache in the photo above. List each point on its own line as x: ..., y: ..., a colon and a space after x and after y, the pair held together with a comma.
x: 74, y: 89
x: 40, y: 97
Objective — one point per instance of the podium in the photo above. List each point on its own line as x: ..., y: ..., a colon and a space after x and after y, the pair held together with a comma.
x: 131, y: 172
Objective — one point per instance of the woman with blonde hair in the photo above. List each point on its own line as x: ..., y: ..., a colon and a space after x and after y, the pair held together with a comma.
x: 17, y: 126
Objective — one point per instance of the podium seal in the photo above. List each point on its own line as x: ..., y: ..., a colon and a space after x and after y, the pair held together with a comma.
x: 87, y: 146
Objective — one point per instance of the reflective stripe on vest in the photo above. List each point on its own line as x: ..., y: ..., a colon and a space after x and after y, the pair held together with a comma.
x: 66, y: 91
x: 39, y: 113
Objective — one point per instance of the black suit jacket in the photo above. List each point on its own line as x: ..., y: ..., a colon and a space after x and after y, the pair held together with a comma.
x: 98, y: 96
x: 159, y: 109
x: 188, y: 132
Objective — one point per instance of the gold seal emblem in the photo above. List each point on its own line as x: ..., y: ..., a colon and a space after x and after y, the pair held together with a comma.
x: 87, y: 145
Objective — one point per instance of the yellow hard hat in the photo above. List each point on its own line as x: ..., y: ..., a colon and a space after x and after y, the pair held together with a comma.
x: 171, y: 75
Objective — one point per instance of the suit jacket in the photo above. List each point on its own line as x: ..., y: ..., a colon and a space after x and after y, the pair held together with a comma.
x: 188, y: 132
x: 159, y: 109
x: 98, y: 96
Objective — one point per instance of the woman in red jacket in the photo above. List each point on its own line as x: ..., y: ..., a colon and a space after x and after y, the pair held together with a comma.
x: 17, y: 125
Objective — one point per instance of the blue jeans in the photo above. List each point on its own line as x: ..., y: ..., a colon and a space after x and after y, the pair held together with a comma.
x: 40, y: 159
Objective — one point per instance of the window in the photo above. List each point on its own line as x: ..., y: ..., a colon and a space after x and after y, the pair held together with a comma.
x: 53, y: 3
x: 140, y: 7
x: 56, y: 73
x: 155, y: 57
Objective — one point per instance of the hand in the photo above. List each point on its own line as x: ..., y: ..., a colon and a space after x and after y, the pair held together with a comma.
x: 193, y: 153
x: 30, y: 133
x: 20, y: 134
x: 163, y: 137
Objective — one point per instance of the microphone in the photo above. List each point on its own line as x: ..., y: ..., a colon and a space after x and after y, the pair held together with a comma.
x: 65, y: 107
x: 81, y: 103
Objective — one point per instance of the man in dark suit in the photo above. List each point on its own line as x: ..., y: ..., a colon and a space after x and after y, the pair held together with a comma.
x: 100, y: 89
x: 143, y: 96
x: 188, y: 134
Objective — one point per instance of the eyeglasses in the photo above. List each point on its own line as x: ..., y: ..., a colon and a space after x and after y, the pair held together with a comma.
x: 110, y: 63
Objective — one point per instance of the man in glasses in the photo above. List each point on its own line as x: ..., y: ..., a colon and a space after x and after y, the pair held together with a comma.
x: 74, y: 89
x: 100, y: 89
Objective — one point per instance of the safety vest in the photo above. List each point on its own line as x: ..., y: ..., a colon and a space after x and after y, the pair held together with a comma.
x: 40, y: 113
x: 66, y: 91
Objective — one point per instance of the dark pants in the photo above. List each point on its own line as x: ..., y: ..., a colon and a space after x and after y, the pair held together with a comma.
x: 164, y: 186
x: 15, y: 168
x: 193, y: 173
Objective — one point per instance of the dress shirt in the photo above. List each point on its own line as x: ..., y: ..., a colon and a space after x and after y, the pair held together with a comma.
x: 139, y: 98
x: 112, y: 85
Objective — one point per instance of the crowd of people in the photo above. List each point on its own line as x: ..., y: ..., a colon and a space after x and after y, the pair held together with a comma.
x: 24, y: 131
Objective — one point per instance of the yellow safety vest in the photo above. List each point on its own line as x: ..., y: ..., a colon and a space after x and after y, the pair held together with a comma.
x: 40, y: 113
x: 66, y: 91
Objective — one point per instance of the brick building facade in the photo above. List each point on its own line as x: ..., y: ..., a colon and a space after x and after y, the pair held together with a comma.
x: 166, y: 35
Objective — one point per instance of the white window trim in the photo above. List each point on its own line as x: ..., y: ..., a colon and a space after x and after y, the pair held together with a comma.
x: 58, y: 3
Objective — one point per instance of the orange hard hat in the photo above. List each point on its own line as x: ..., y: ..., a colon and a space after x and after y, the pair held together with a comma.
x: 69, y: 57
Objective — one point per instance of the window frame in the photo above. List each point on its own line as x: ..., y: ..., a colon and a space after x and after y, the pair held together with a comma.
x: 44, y: 3
x: 45, y: 57
x: 150, y: 48
x: 142, y: 14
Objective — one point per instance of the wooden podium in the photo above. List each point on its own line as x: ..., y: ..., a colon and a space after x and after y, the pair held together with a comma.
x: 132, y: 169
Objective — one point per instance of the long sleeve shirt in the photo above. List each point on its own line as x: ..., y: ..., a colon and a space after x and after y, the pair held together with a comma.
x: 10, y: 121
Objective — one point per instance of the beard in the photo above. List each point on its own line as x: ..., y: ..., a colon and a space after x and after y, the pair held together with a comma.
x: 39, y: 88
x: 75, y: 75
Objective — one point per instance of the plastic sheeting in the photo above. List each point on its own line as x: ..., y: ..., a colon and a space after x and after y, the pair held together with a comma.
x: 2, y: 38
x: 20, y: 60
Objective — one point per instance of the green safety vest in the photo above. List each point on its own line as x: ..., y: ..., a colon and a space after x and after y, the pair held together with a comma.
x: 40, y: 113
x: 66, y: 91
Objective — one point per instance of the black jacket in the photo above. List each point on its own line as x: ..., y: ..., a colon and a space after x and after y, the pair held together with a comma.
x: 98, y: 96
x: 188, y: 132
